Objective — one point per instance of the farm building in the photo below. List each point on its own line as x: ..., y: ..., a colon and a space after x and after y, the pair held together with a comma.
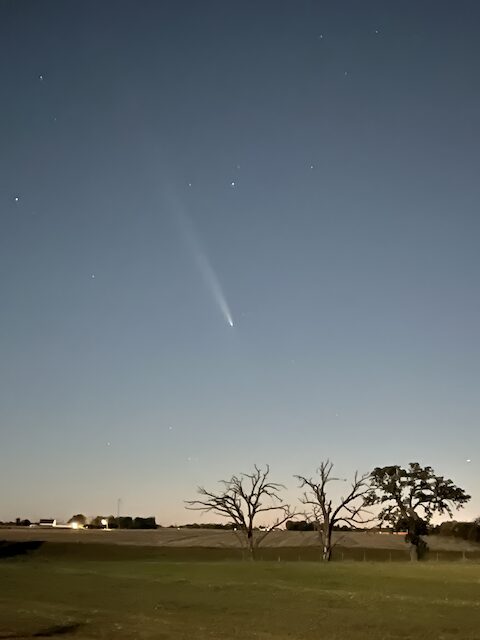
x: 47, y: 522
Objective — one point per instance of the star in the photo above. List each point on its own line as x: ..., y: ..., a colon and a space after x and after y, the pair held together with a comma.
x: 345, y: 73
x: 468, y: 460
x: 377, y: 31
x: 189, y: 184
x: 93, y: 276
x: 320, y: 37
x: 17, y: 198
x: 311, y: 166
x: 232, y: 184
x: 40, y: 77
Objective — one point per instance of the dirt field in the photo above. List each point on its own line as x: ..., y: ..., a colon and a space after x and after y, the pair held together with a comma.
x: 224, y: 539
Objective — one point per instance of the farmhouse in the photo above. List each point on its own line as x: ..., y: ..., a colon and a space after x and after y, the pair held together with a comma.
x: 47, y: 522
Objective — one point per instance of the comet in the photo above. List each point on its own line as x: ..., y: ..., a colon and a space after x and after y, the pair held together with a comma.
x: 204, y: 265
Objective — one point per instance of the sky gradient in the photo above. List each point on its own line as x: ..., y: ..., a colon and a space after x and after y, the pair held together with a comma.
x: 324, y: 157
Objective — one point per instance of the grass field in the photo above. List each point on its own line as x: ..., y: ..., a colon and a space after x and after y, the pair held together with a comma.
x: 103, y: 591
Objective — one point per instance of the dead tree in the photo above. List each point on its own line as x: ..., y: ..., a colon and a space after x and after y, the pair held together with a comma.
x: 350, y: 509
x: 242, y: 499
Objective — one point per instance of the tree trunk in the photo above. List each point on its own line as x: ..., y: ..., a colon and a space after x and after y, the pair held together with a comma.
x: 418, y: 546
x: 327, y: 546
x: 251, y: 545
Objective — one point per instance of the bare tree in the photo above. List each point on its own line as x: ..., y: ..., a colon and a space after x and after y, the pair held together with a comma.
x: 242, y: 499
x: 349, y: 510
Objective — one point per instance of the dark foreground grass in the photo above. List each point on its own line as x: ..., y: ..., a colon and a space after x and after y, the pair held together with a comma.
x: 73, y: 591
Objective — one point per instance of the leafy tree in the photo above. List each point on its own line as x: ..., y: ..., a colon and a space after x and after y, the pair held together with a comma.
x: 79, y: 518
x: 144, y: 523
x: 409, y: 498
x: 125, y: 522
x: 327, y: 516
x: 241, y: 500
x: 22, y: 523
x: 96, y: 523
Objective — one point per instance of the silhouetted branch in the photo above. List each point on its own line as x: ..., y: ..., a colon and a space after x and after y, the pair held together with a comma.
x: 349, y: 510
x: 242, y: 500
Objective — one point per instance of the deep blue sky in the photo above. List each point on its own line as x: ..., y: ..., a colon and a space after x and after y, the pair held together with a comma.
x: 347, y: 247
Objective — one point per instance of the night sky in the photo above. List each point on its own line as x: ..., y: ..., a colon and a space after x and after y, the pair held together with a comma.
x: 311, y: 169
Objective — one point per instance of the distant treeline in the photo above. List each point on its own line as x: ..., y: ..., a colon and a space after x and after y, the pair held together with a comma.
x: 464, y: 530
x: 209, y: 525
x: 469, y: 531
x: 122, y: 522
x: 304, y: 525
x: 125, y: 522
x: 19, y: 522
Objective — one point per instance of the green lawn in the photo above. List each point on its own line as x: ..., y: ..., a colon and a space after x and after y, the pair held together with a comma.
x: 138, y: 593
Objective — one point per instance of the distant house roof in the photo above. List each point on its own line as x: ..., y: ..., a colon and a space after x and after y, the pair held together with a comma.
x: 50, y: 522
